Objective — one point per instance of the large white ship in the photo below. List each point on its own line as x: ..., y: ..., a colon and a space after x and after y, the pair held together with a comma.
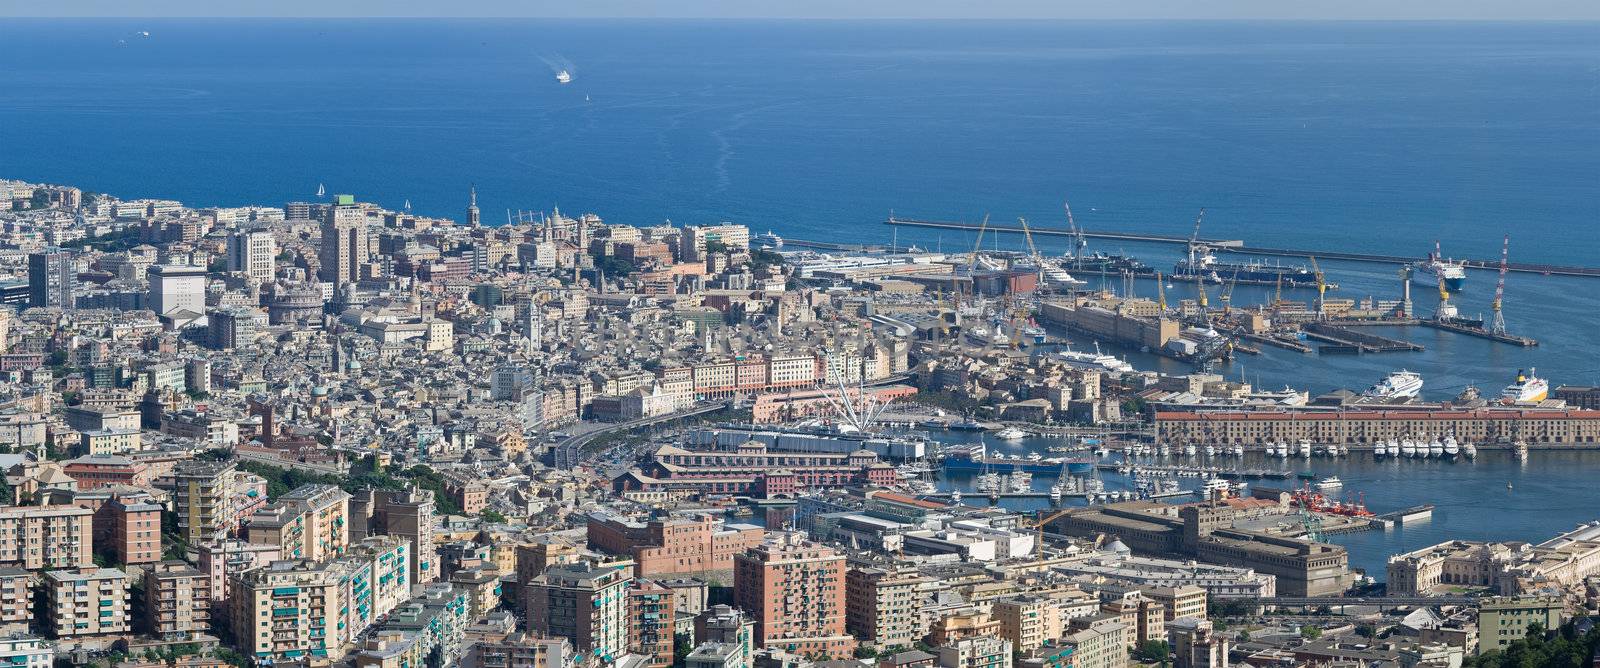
x: 1398, y: 385
x: 1429, y: 272
x: 1529, y: 389
x: 1096, y: 360
x: 564, y: 76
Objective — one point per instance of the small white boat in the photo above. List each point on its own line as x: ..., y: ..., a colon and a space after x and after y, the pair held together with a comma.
x: 1305, y: 448
x: 1435, y: 448
x: 1188, y: 450
x: 1451, y: 448
x: 1470, y: 450
x: 1238, y: 451
x: 1011, y: 434
x: 1211, y: 451
x: 1408, y: 448
x: 1330, y: 482
x: 955, y: 496
x: 564, y: 76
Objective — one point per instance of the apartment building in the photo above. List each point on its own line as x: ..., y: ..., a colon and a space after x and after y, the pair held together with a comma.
x: 20, y: 650
x: 681, y: 545
x: 40, y: 537
x: 16, y: 599
x: 882, y: 606
x: 586, y: 603
x: 1028, y: 622
x: 795, y: 592
x: 520, y: 651
x: 177, y: 601
x: 308, y: 523
x: 651, y: 622
x: 200, y: 491
x: 299, y: 608
x: 86, y: 602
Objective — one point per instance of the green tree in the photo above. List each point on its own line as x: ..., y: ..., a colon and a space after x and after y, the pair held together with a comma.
x: 1310, y: 632
x: 493, y: 517
x: 1152, y: 651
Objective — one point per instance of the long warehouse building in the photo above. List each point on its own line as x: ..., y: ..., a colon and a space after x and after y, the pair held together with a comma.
x: 1366, y: 426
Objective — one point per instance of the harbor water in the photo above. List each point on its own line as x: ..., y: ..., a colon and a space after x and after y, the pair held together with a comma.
x: 1493, y: 497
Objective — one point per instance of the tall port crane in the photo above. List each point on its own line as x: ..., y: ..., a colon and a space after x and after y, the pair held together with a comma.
x: 1227, y: 294
x: 1498, y: 324
x: 977, y: 246
x: 1033, y: 251
x: 1322, y: 289
x: 1161, y: 293
x: 1076, y: 236
x: 1446, y: 311
x: 1194, y: 244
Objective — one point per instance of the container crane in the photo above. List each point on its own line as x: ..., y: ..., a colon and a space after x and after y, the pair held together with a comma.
x: 1498, y: 324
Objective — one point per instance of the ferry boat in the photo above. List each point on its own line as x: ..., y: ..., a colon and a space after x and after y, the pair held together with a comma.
x: 1529, y: 389
x: 768, y: 241
x: 564, y: 76
x: 1430, y: 271
x: 1096, y: 360
x: 1401, y: 384
x: 1011, y: 434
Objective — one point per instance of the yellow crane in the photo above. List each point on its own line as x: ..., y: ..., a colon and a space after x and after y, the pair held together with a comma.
x: 1227, y: 294
x: 1038, y: 528
x: 978, y: 245
x: 1161, y: 293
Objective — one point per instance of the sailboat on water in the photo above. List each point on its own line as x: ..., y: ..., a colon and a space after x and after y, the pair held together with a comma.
x: 321, y: 191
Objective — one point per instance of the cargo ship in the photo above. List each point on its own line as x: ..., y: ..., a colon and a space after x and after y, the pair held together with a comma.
x: 1208, y: 268
x: 973, y: 459
x: 1106, y: 264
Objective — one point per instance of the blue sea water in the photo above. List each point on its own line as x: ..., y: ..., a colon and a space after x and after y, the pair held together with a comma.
x: 1356, y: 136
